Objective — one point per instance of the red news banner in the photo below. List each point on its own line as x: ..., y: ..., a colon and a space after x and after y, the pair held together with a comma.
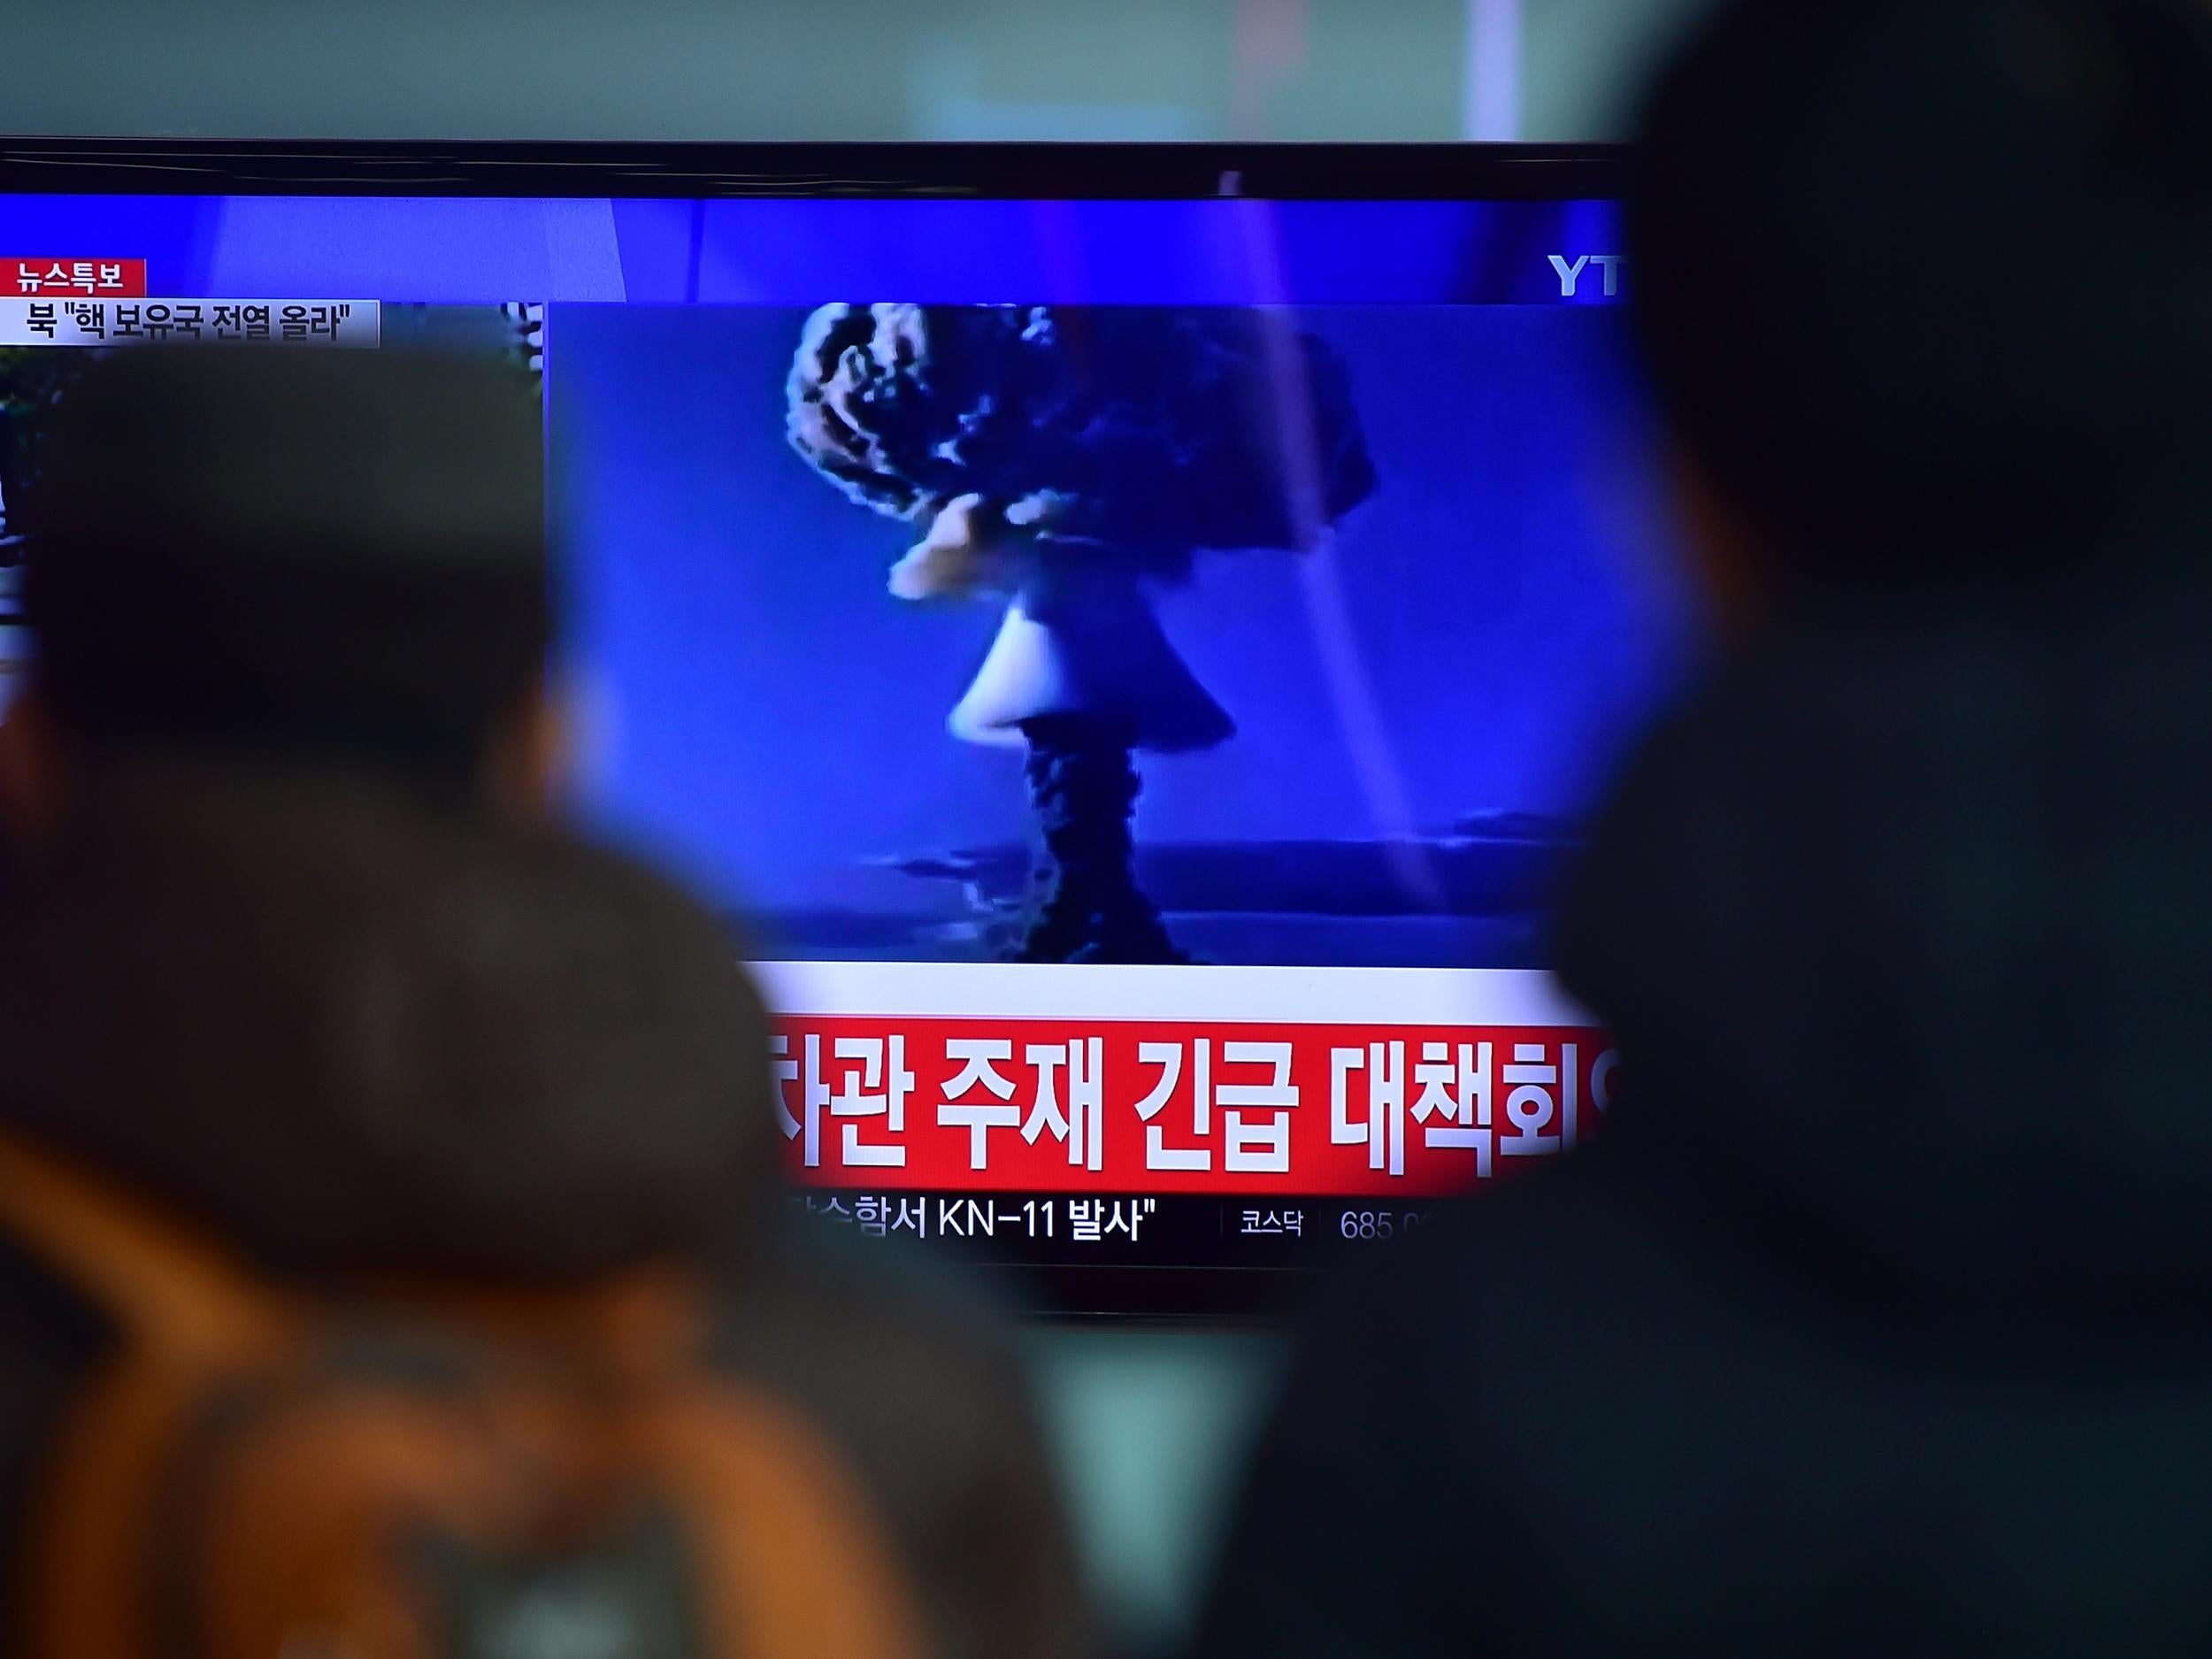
x: 1424, y: 1083
x: 73, y: 279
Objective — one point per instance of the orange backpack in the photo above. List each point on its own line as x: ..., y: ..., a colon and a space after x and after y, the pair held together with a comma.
x: 256, y: 1473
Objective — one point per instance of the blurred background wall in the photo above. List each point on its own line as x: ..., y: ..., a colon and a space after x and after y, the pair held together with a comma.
x: 1150, y: 1426
x: 824, y: 69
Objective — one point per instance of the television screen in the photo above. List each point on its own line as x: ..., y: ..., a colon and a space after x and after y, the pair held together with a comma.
x: 1128, y: 637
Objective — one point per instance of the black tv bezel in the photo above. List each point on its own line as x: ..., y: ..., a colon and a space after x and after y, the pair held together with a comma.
x: 861, y: 171
x: 1373, y: 171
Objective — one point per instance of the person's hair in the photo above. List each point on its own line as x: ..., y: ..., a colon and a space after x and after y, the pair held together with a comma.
x: 1921, y: 284
x: 334, y: 557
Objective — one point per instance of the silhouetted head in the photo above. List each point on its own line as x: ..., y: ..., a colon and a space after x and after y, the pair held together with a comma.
x: 1921, y: 282
x: 331, y: 559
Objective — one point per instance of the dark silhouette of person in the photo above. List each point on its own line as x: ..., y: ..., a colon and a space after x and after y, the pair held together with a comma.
x: 296, y: 945
x: 1879, y: 1319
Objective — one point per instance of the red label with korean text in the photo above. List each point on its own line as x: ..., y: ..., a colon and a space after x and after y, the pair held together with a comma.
x: 73, y: 279
x: 1070, y: 1105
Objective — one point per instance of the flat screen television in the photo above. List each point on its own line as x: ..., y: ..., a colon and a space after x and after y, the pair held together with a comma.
x: 1128, y: 635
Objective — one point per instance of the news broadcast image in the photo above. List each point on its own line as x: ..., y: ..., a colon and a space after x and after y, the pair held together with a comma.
x: 1137, y: 733
x: 1337, y: 765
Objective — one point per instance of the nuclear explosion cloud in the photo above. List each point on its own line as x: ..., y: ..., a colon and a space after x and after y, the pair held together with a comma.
x: 1152, y: 431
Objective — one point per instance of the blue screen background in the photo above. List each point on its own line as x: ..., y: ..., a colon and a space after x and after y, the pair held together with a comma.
x: 774, y: 721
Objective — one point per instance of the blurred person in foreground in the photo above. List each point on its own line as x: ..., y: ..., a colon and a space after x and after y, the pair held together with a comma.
x: 1880, y: 1320
x: 294, y: 944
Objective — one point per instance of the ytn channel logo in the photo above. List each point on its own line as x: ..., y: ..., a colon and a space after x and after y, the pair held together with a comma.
x: 1605, y: 267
